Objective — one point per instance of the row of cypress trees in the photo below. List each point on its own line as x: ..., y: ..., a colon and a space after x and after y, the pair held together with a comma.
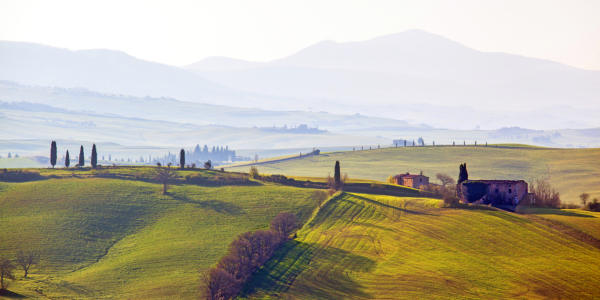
x: 53, y: 156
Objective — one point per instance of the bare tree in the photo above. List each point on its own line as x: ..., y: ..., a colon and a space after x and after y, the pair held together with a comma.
x: 584, y: 198
x: 445, y: 179
x: 545, y: 194
x: 284, y: 224
x: 256, y: 158
x: 6, y: 268
x: 319, y: 197
x: 164, y: 176
x: 330, y: 181
x: 26, y: 260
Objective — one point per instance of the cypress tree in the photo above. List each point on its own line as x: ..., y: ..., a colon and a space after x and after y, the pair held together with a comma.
x: 94, y: 158
x: 67, y: 160
x: 53, y: 154
x: 81, y: 157
x: 336, y: 175
x: 463, y: 175
x: 182, y: 158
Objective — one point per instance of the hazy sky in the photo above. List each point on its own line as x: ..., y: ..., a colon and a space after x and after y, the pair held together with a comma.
x: 183, y: 32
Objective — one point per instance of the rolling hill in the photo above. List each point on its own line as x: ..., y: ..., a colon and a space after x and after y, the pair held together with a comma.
x: 111, y: 233
x: 120, y: 237
x: 375, y: 247
x: 571, y: 171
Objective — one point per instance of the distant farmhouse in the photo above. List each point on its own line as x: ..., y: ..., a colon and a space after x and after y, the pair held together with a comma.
x: 402, y: 143
x: 494, y: 192
x: 410, y: 180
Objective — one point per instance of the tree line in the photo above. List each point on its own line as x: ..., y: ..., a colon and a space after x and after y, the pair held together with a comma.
x: 246, y: 254
x: 81, y: 157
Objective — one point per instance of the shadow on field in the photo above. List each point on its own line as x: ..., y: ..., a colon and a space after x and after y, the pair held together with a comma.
x: 10, y: 294
x: 550, y: 211
x: 370, y: 201
x: 326, y: 275
x: 216, y: 205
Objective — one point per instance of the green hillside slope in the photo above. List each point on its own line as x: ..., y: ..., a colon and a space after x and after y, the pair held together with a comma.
x: 571, y: 171
x: 121, y: 238
x: 367, y: 247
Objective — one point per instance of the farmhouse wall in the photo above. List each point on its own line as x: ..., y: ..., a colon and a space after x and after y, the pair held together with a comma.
x: 501, y: 192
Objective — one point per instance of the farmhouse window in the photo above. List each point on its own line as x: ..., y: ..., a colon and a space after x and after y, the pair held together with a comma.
x: 510, y: 191
x: 496, y: 191
x: 421, y: 180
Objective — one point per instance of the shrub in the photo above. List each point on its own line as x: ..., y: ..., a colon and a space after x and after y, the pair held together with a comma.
x: 253, y: 172
x: 144, y: 173
x: 594, y: 205
x: 19, y: 175
x: 376, y: 185
x: 390, y: 179
x: 450, y: 199
x: 331, y: 192
x: 105, y: 173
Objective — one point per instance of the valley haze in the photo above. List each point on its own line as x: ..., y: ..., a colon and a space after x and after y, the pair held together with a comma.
x: 360, y: 159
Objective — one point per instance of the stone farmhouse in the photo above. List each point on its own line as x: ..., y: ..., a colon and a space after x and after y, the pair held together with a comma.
x: 495, y: 192
x: 411, y: 180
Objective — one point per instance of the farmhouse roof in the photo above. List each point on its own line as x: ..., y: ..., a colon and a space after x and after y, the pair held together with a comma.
x: 407, y: 175
x: 495, y: 181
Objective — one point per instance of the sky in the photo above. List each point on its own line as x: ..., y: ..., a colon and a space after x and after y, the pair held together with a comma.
x: 183, y: 32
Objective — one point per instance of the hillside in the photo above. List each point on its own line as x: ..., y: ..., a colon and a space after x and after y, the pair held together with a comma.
x: 121, y: 238
x: 571, y: 171
x: 374, y: 247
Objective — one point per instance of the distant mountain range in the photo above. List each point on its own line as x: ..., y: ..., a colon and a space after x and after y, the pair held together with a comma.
x: 412, y: 75
x: 410, y: 67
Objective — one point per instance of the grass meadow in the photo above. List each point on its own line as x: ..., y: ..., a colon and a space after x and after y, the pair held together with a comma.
x: 379, y: 247
x: 571, y: 171
x: 121, y: 238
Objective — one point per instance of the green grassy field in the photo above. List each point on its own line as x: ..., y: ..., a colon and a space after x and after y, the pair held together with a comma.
x: 19, y: 162
x: 585, y: 221
x: 374, y: 247
x: 571, y: 171
x: 121, y: 238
